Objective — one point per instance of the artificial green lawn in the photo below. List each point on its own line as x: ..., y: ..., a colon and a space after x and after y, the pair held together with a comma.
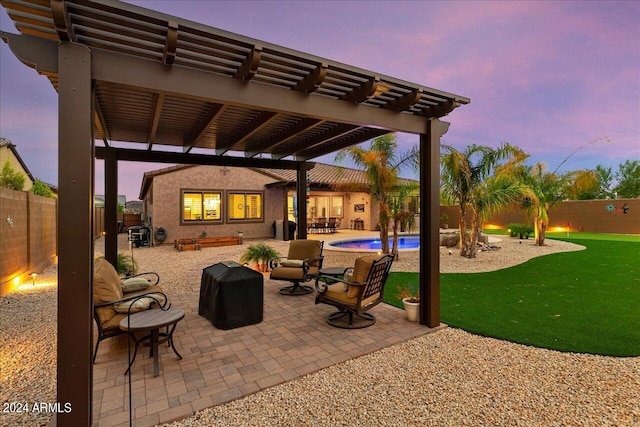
x: 586, y: 301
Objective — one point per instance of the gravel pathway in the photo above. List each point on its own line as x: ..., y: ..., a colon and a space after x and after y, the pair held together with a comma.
x: 446, y: 378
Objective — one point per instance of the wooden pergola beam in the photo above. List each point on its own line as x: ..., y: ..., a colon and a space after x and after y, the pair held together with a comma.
x: 239, y: 141
x: 291, y: 134
x: 250, y: 65
x: 321, y: 138
x: 215, y: 112
x: 170, y: 44
x: 61, y: 20
x: 155, y: 120
x: 363, y: 92
x: 313, y: 80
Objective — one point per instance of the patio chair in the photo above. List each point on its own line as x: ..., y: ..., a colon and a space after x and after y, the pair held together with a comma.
x: 114, y: 298
x: 321, y: 225
x: 357, y: 293
x: 331, y: 225
x: 302, y: 264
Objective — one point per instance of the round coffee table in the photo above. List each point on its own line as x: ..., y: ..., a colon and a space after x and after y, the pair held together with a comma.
x: 151, y: 321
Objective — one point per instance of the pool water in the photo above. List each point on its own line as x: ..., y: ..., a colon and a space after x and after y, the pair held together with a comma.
x: 404, y: 242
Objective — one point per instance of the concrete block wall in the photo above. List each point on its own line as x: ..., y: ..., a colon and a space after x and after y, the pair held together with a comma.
x: 617, y: 216
x: 28, y: 239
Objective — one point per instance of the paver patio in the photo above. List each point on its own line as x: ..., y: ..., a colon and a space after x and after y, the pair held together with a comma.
x: 222, y: 365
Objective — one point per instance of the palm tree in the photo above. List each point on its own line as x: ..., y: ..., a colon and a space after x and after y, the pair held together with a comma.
x: 546, y: 189
x: 402, y: 218
x: 465, y: 178
x: 382, y: 164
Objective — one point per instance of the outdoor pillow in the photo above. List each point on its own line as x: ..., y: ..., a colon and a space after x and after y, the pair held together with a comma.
x: 139, y: 304
x: 135, y: 284
x: 292, y: 263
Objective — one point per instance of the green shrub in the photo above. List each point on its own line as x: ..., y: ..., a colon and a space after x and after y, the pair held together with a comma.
x: 259, y: 253
x: 522, y: 231
x: 39, y: 188
x: 126, y: 265
x: 10, y: 178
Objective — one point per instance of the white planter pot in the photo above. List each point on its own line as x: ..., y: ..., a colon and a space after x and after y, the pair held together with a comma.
x: 412, y: 309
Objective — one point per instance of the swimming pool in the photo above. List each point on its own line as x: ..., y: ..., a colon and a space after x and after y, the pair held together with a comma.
x: 406, y: 242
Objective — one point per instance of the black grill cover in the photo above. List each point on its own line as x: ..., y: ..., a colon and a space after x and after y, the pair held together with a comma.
x: 231, y: 295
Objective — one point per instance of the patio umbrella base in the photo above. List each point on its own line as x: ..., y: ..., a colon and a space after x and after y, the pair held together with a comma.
x: 349, y: 320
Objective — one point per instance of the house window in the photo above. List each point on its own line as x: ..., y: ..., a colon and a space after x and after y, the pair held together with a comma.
x: 337, y: 202
x: 201, y: 206
x: 318, y: 207
x: 245, y: 206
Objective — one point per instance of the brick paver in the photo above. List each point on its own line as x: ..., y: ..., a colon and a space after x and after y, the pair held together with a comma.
x: 222, y: 365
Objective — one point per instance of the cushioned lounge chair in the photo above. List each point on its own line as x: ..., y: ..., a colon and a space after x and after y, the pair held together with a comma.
x: 302, y: 264
x: 113, y: 297
x: 356, y: 294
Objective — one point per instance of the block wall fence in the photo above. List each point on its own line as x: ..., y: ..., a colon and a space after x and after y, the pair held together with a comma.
x: 618, y: 216
x: 28, y: 236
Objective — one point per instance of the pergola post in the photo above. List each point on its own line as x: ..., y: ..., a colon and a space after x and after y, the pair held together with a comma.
x: 75, y: 234
x: 301, y: 191
x: 429, y: 222
x: 111, y: 206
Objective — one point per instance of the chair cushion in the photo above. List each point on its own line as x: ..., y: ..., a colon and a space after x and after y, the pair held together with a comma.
x: 135, y: 284
x: 292, y: 273
x: 336, y: 292
x: 360, y: 273
x: 303, y: 249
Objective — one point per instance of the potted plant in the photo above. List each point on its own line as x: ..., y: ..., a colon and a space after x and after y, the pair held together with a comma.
x: 444, y: 219
x: 259, y: 253
x: 410, y: 296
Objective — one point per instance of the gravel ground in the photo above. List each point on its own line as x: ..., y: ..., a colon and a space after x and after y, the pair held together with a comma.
x: 28, y: 339
x: 446, y: 378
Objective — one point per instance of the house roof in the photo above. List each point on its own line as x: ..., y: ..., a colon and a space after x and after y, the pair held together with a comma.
x: 165, y: 81
x: 11, y: 146
x: 322, y: 175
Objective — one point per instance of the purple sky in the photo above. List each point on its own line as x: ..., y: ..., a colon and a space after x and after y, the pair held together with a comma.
x: 548, y: 77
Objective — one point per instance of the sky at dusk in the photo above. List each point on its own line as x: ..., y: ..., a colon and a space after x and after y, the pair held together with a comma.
x: 549, y: 77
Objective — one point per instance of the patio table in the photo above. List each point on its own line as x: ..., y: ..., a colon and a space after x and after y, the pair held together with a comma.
x: 334, y: 271
x: 151, y: 321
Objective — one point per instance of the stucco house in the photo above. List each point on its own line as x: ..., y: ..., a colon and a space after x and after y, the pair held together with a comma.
x: 187, y: 200
x: 9, y: 152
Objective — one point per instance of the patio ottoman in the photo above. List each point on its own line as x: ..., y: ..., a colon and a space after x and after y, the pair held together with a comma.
x: 231, y: 295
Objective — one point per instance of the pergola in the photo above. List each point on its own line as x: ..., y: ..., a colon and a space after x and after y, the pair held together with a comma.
x: 184, y: 92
